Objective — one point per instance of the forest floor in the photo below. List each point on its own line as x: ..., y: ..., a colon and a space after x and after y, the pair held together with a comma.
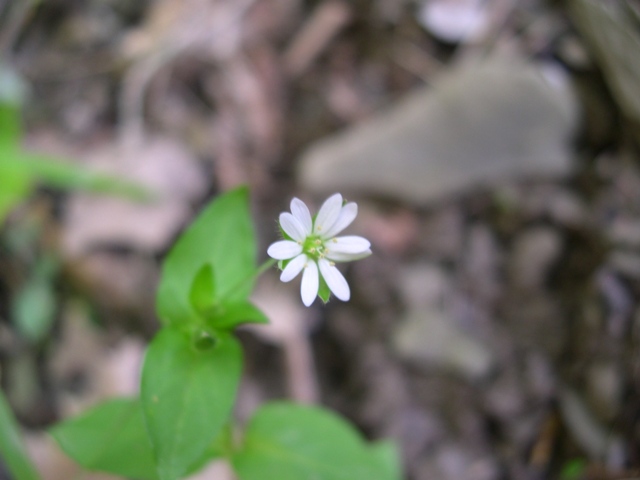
x: 495, y: 332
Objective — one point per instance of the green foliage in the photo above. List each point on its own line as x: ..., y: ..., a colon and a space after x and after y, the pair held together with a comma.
x: 15, y: 185
x: 191, y: 373
x: 222, y: 236
x: 12, y: 450
x: 111, y: 438
x: 386, y: 454
x: 229, y: 315
x: 203, y: 291
x: 34, y: 306
x: 290, y: 442
x: 187, y: 396
x: 573, y: 469
x: 21, y: 170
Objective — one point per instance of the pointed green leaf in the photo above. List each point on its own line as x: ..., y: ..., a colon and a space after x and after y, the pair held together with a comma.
x: 187, y: 396
x: 110, y: 438
x: 231, y: 315
x: 290, y: 442
x: 12, y: 450
x: 202, y: 293
x: 222, y: 235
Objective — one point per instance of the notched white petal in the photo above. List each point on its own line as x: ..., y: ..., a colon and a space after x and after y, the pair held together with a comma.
x: 348, y: 244
x: 300, y: 210
x: 347, y: 257
x: 347, y: 215
x: 310, y: 283
x: 335, y: 281
x: 293, y: 268
x: 292, y: 226
x: 284, y: 250
x: 328, y: 214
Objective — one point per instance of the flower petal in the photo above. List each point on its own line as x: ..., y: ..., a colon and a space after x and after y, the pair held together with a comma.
x: 349, y: 244
x: 310, y: 283
x: 347, y: 215
x: 292, y: 227
x: 335, y: 281
x: 328, y: 214
x: 301, y: 212
x: 347, y: 257
x: 284, y: 250
x: 293, y: 268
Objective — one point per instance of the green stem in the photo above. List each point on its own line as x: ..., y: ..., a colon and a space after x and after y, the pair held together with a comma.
x: 250, y: 278
x: 265, y: 266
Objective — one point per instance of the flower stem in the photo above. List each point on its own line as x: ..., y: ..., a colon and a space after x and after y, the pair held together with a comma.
x: 250, y: 278
x: 264, y: 267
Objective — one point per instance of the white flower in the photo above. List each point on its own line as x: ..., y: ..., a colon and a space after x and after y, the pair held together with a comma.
x: 313, y: 248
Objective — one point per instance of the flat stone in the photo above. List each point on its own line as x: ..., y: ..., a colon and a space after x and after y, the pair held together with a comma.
x: 481, y: 123
x: 429, y: 338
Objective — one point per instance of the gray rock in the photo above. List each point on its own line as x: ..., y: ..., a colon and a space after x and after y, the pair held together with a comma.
x: 429, y: 334
x: 484, y: 122
x: 428, y: 337
x: 423, y: 284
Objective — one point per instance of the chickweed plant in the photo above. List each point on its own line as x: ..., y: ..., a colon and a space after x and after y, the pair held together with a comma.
x: 183, y: 417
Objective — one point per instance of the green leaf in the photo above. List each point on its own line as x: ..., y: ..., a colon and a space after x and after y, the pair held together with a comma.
x: 20, y: 170
x: 290, y: 442
x: 386, y: 453
x: 202, y: 293
x: 187, y: 396
x: 12, y: 449
x: 58, y: 173
x: 110, y: 438
x: 10, y: 125
x: 231, y: 315
x: 573, y: 469
x: 222, y: 236
x: 35, y: 304
x: 15, y: 185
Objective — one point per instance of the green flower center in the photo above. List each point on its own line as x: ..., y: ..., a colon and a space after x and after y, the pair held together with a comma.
x: 313, y: 247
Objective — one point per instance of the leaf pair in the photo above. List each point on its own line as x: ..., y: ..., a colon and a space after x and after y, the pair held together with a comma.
x: 220, y: 313
x: 191, y: 374
x: 282, y: 440
x: 193, y: 366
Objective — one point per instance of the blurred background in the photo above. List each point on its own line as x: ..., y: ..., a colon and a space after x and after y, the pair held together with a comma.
x: 492, y: 146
